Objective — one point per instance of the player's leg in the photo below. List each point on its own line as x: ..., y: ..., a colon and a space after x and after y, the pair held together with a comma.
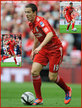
x: 12, y: 53
x: 39, y: 61
x: 35, y: 71
x: 54, y: 62
x: 9, y: 55
x: 73, y: 24
x: 69, y: 21
x: 59, y: 81
x: 15, y: 58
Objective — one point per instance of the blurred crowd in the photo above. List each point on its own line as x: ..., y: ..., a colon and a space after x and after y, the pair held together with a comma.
x: 13, y: 20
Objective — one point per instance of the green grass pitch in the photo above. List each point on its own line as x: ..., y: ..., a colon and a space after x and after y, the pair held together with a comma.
x: 63, y: 29
x: 53, y: 96
x: 9, y: 64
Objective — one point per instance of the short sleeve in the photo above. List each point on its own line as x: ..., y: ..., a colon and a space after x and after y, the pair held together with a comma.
x: 45, y: 26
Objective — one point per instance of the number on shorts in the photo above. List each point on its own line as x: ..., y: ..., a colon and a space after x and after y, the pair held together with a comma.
x: 56, y: 67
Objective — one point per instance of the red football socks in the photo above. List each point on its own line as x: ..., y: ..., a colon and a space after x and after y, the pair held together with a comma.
x: 37, y: 86
x: 62, y: 84
x: 68, y: 26
x: 73, y: 25
x: 15, y: 60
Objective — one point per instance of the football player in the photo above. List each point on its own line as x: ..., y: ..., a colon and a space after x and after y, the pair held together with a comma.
x: 49, y: 50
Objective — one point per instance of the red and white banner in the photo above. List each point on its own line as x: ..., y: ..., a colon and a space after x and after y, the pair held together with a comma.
x: 15, y: 74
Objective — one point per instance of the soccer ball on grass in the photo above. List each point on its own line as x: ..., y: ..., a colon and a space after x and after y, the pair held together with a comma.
x: 74, y: 29
x: 27, y: 98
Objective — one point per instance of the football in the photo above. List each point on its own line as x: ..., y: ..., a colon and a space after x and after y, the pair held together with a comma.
x: 27, y: 98
x: 74, y: 29
x: 18, y: 63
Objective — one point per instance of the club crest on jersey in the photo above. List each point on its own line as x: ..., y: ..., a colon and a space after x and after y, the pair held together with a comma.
x: 42, y: 24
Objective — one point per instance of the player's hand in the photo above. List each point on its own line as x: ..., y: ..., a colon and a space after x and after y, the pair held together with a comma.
x: 37, y: 50
x: 32, y: 55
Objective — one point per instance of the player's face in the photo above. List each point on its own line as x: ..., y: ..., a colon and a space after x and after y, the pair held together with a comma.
x: 30, y: 14
x: 71, y: 5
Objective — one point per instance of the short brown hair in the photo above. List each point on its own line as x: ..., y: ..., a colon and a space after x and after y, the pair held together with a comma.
x: 32, y: 6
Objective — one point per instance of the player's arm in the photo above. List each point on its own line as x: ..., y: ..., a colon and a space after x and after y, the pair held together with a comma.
x: 74, y: 13
x: 64, y: 11
x: 35, y: 44
x: 75, y: 10
x: 45, y: 41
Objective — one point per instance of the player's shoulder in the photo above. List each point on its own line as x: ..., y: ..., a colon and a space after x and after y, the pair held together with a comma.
x: 41, y: 21
x: 39, y: 18
x: 67, y: 7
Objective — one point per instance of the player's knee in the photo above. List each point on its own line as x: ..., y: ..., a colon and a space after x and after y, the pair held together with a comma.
x: 9, y: 55
x: 34, y: 72
x: 53, y: 78
x: 69, y: 22
x: 73, y: 21
x: 14, y: 56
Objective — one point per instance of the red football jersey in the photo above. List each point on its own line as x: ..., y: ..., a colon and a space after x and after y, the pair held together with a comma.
x: 69, y: 10
x: 40, y: 28
x: 11, y: 44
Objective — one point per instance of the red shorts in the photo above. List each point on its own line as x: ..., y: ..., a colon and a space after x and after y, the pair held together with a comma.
x: 11, y: 52
x: 68, y: 18
x: 54, y: 57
